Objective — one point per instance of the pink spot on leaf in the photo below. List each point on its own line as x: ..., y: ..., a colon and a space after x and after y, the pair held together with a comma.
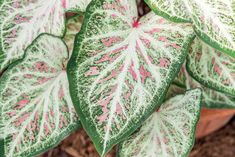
x: 144, y: 74
x: 118, y: 109
x: 93, y: 71
x: 22, y: 119
x: 163, y: 39
x: 61, y: 93
x: 164, y: 63
x: 64, y: 3
x: 22, y: 103
x: 132, y: 72
x: 135, y: 24
x: 102, y: 118
x: 46, y: 128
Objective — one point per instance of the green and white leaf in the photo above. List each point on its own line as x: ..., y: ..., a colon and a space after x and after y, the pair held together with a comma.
x: 213, y: 20
x: 169, y: 132
x: 211, y: 67
x: 36, y: 107
x: 211, y: 98
x: 23, y: 20
x: 174, y: 10
x: 73, y: 26
x: 77, y: 5
x: 121, y: 68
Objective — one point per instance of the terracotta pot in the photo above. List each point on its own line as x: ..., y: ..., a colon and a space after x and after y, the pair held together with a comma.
x: 212, y: 120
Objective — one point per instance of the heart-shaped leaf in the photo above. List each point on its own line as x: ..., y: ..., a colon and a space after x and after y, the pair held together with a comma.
x: 23, y: 20
x: 76, y: 5
x: 121, y: 68
x: 214, y: 21
x: 169, y: 132
x: 73, y: 26
x: 211, y: 98
x: 211, y: 67
x: 36, y: 108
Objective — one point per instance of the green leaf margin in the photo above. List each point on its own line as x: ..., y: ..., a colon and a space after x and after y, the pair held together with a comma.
x: 201, y: 35
x: 194, y: 126
x: 62, y: 136
x: 165, y: 15
x: 87, y: 125
x: 76, y: 11
x: 207, y: 84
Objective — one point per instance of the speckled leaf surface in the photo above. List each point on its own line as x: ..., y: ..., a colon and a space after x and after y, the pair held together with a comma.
x: 214, y: 21
x: 73, y: 26
x: 23, y: 20
x: 36, y: 107
x: 211, y: 98
x: 169, y: 132
x: 174, y: 10
x: 77, y: 5
x: 121, y: 68
x: 211, y: 67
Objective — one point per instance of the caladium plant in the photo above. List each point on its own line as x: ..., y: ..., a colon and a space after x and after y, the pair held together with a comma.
x: 22, y: 21
x: 126, y: 83
x: 213, y: 21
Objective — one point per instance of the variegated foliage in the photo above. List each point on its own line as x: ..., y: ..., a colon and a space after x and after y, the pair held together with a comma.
x: 169, y: 132
x: 211, y: 67
x: 213, y: 20
x: 23, y: 20
x: 211, y: 98
x: 76, y: 5
x: 73, y: 26
x: 35, y: 104
x: 121, y: 68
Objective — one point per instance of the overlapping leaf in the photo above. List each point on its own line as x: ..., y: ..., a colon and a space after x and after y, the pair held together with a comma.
x: 214, y: 21
x: 73, y: 26
x: 211, y: 67
x: 36, y: 108
x: 211, y: 98
x: 77, y: 5
x: 174, y: 10
x: 23, y: 20
x: 169, y: 132
x: 121, y: 67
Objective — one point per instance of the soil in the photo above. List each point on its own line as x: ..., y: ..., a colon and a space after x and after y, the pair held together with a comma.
x: 218, y: 144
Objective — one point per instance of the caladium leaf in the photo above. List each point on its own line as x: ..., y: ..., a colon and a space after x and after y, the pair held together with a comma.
x: 169, y: 132
x: 23, y: 20
x: 76, y: 5
x: 214, y: 21
x: 211, y: 98
x: 73, y: 26
x: 174, y: 10
x: 211, y: 67
x: 36, y: 108
x: 121, y: 68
